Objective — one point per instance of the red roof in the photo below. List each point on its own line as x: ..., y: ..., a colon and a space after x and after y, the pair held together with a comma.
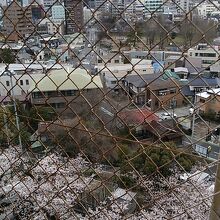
x: 138, y: 116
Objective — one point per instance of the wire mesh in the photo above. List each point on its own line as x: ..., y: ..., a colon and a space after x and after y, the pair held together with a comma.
x: 110, y: 109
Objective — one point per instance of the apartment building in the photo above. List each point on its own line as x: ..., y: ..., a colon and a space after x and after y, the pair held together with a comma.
x: 153, y: 6
x: 183, y: 6
x: 208, y: 54
x: 58, y: 12
x: 102, y: 5
x: 206, y: 8
x: 17, y: 21
x: 67, y: 90
x: 74, y: 16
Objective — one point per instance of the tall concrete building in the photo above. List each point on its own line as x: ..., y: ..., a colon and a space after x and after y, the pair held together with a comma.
x: 182, y: 6
x: 74, y: 16
x: 155, y: 6
x: 17, y: 21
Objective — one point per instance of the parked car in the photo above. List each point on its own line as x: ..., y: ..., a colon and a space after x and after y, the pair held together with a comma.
x: 167, y: 115
x: 191, y: 111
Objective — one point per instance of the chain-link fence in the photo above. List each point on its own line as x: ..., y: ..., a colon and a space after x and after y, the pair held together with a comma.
x: 110, y: 109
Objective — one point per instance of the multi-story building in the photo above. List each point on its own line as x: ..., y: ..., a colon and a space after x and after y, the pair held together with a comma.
x: 37, y: 11
x: 74, y: 16
x: 58, y: 12
x: 49, y: 3
x: 55, y: 27
x: 206, y: 8
x: 182, y: 6
x: 23, y: 76
x: 208, y: 54
x: 153, y: 6
x: 67, y: 90
x: 17, y: 21
x: 154, y: 90
x: 102, y: 5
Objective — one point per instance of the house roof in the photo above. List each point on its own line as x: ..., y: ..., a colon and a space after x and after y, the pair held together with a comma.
x: 186, y: 91
x: 120, y: 193
x: 58, y: 126
x: 24, y: 56
x: 180, y: 69
x: 153, y: 81
x: 137, y: 116
x: 206, y: 94
x: 203, y: 81
x: 21, y: 98
x: 163, y: 129
x: 67, y: 79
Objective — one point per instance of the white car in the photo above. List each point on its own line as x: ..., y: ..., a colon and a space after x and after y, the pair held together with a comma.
x: 167, y: 115
x: 191, y: 111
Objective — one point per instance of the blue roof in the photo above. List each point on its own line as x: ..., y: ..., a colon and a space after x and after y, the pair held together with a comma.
x: 158, y: 66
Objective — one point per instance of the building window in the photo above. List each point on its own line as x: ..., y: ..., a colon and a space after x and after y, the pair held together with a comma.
x: 27, y: 82
x: 37, y: 95
x: 202, y: 100
x: 116, y: 61
x: 58, y: 105
x: 70, y: 93
x: 208, y: 61
x: 99, y: 61
x: 162, y: 92
x: 7, y: 83
x: 213, y: 100
x: 173, y: 90
x: 21, y: 82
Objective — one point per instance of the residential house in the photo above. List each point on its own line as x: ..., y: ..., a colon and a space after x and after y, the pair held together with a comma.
x: 145, y: 124
x: 196, y: 84
x: 135, y: 120
x: 182, y: 72
x: 67, y: 90
x: 174, y: 61
x: 113, y: 58
x: 156, y: 55
x: 155, y: 90
x: 113, y: 75
x: 199, y: 84
x: 23, y: 75
x: 215, y: 70
x: 164, y: 131
x: 208, y: 101
x: 24, y: 57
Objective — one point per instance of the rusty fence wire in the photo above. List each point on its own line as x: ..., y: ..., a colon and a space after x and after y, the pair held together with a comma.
x: 109, y: 109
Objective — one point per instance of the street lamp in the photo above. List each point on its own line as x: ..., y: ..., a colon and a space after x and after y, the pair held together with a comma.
x: 10, y: 74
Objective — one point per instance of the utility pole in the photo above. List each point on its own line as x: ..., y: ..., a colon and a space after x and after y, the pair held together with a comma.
x: 10, y: 74
x: 6, y: 124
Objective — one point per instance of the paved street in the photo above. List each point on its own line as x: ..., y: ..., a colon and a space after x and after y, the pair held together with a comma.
x: 180, y: 112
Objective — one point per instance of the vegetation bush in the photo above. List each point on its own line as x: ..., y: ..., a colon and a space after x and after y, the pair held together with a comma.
x: 156, y: 159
